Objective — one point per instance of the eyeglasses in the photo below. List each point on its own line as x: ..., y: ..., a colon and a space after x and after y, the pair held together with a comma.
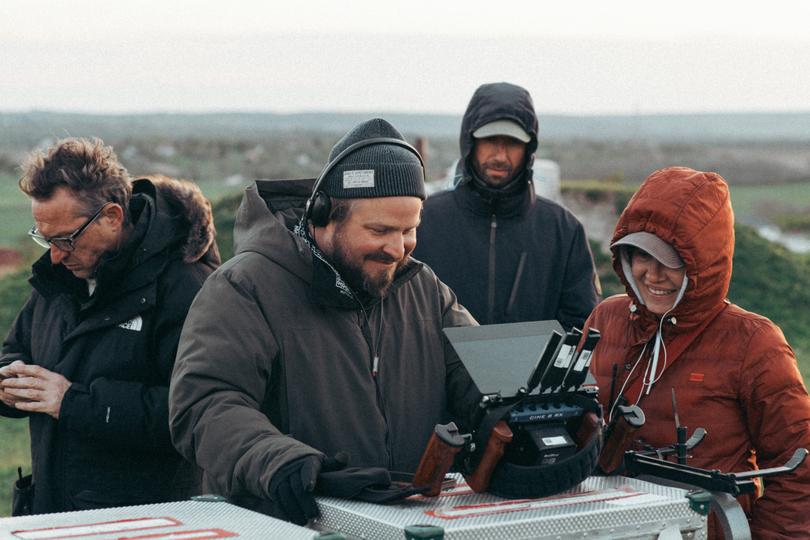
x: 64, y: 243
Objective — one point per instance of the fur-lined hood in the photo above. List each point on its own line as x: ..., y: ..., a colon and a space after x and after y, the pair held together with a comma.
x: 191, y: 212
x: 171, y: 219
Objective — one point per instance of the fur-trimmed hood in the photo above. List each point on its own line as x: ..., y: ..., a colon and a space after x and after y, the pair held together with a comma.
x: 191, y: 212
x: 170, y: 219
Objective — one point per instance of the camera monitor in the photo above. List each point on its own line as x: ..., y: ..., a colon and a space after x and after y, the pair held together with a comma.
x: 502, y: 358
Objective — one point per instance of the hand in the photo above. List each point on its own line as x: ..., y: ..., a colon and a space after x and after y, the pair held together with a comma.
x: 32, y: 388
x: 291, y: 489
x: 7, y: 372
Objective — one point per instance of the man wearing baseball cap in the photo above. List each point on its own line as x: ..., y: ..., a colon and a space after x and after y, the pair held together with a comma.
x: 321, y: 336
x: 508, y: 254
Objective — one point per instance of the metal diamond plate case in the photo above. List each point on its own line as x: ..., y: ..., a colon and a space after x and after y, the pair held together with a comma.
x: 187, y: 520
x: 600, y: 507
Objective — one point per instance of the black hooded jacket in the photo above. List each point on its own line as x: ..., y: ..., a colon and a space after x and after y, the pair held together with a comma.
x: 111, y: 445
x: 508, y: 254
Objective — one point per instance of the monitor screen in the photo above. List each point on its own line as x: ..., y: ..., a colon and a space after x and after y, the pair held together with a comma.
x: 502, y: 357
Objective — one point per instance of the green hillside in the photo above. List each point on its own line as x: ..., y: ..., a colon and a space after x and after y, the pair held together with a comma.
x: 766, y: 279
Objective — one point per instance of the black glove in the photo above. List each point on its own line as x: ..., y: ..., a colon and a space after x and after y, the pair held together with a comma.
x: 292, y: 487
x: 369, y: 484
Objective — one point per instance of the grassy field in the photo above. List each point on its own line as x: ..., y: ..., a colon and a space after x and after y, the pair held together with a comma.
x: 765, y: 202
x: 15, y: 212
x: 770, y: 201
x: 14, y: 447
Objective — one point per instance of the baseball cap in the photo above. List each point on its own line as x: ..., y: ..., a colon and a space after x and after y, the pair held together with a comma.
x: 663, y: 252
x: 508, y: 128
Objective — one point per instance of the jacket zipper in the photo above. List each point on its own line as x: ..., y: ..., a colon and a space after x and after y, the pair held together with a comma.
x: 365, y: 322
x: 515, y: 285
x: 493, y: 228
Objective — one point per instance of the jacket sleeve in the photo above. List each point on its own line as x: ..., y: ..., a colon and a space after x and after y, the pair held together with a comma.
x: 135, y: 413
x: 220, y: 382
x: 462, y: 393
x: 579, y: 293
x: 778, y: 410
x: 17, y: 346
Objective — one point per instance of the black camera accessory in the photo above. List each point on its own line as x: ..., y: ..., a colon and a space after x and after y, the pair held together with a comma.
x: 22, y: 501
x: 565, y: 358
x: 543, y: 425
x: 579, y: 370
x: 544, y: 361
x: 528, y: 471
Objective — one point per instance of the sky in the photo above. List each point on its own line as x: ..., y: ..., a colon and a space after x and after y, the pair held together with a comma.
x: 575, y: 57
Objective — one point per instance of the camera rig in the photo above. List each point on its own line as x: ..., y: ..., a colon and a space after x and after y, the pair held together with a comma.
x: 532, y: 436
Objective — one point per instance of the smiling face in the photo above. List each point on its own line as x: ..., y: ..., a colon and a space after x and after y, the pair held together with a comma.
x: 372, y: 242
x: 498, y: 159
x: 658, y: 284
x: 62, y: 214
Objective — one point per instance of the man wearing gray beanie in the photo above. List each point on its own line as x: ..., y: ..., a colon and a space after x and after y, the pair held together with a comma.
x: 321, y: 336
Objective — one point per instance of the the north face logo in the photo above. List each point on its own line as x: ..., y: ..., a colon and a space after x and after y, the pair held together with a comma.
x: 134, y: 324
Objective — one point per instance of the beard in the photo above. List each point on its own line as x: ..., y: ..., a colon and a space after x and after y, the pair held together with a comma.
x: 499, y: 165
x: 350, y: 268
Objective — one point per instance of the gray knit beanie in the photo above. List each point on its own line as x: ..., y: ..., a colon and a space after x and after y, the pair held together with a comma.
x: 377, y: 170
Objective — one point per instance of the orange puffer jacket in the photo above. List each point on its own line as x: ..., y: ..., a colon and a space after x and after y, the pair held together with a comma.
x: 733, y: 372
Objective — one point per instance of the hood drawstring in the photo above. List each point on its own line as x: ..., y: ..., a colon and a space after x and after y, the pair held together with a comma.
x: 651, y: 373
x: 652, y: 368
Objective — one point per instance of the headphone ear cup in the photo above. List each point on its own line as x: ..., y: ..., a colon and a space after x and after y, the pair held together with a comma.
x: 321, y: 208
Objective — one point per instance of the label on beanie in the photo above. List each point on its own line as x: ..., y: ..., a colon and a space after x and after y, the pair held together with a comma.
x: 358, y: 179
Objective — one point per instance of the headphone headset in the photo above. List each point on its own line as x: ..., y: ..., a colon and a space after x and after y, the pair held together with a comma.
x: 319, y: 206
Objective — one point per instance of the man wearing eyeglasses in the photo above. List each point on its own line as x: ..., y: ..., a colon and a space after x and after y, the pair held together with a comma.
x: 89, y: 357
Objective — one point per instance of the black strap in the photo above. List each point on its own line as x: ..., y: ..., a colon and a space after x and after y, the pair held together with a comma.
x: 513, y: 481
x: 481, y: 435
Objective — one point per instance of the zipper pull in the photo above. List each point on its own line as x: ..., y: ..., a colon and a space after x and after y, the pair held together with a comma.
x: 375, y: 365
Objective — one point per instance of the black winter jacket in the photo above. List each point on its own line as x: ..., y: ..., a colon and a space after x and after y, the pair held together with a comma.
x: 508, y: 254
x: 111, y: 444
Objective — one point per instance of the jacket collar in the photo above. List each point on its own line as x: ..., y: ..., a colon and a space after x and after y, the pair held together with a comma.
x: 488, y: 201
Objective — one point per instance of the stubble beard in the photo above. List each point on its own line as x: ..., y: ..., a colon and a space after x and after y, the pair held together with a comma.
x: 492, y: 164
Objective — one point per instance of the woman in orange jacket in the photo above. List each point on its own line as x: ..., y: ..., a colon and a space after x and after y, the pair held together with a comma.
x: 732, y: 371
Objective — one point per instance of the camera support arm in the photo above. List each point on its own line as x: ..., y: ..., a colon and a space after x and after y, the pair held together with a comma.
x: 712, y: 480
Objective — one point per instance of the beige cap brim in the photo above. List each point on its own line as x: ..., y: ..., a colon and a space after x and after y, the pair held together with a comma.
x: 663, y: 252
x: 506, y: 128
